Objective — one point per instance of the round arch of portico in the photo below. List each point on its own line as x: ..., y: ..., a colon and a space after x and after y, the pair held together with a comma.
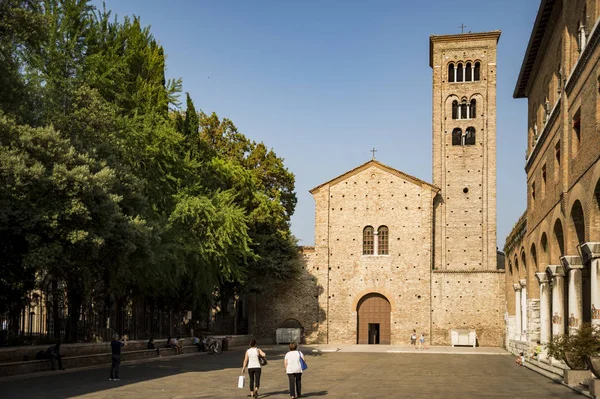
x: 578, y: 193
x: 530, y: 242
x: 553, y: 249
x: 533, y: 260
x: 367, y: 291
x: 543, y: 250
x: 537, y: 238
x: 523, y: 259
x: 594, y: 209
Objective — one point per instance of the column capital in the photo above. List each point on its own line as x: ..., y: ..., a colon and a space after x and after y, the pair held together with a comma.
x: 517, y: 287
x: 523, y: 283
x: 571, y: 262
x: 590, y: 250
x: 542, y: 277
x: 555, y: 271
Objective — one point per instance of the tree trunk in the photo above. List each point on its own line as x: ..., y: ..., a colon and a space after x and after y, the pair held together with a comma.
x: 55, y: 312
x: 75, y: 301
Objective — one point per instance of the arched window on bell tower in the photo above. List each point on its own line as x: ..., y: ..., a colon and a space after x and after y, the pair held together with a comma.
x: 459, y: 72
x: 457, y: 136
x: 470, y: 136
x: 468, y: 72
x: 451, y: 72
x: 476, y: 75
x: 473, y: 109
x: 455, y: 109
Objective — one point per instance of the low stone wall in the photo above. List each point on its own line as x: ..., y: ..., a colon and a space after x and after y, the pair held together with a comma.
x: 516, y: 347
x: 24, y: 353
x: 21, y: 360
x: 234, y: 340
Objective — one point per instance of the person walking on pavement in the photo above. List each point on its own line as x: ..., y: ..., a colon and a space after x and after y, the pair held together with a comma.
x: 413, y: 337
x: 252, y: 363
x: 422, y: 342
x: 293, y: 369
x: 116, y: 346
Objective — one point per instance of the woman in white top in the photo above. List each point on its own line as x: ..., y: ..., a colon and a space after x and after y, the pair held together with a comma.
x: 254, y: 368
x: 293, y: 369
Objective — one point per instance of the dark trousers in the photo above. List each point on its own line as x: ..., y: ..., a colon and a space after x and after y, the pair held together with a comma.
x: 254, y: 374
x: 53, y: 359
x: 295, y: 384
x: 114, y: 367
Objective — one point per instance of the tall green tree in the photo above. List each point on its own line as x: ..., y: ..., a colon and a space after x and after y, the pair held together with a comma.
x: 192, y: 121
x: 23, y: 29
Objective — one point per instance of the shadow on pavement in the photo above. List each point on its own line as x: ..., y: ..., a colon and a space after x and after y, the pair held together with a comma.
x: 75, y: 383
x: 319, y: 393
x: 304, y: 395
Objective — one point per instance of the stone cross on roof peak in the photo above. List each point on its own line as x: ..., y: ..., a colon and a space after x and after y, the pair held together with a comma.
x: 373, y: 151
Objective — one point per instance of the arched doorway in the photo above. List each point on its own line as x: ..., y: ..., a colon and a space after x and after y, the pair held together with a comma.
x: 374, y: 320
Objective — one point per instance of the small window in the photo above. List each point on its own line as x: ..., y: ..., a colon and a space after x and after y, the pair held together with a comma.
x: 459, y: 73
x: 557, y: 161
x: 576, y: 137
x: 383, y: 241
x: 455, y: 109
x: 476, y: 74
x: 457, y: 136
x: 451, y: 73
x: 533, y: 191
x: 473, y: 109
x: 368, y: 243
x: 543, y: 181
x: 470, y: 136
x: 468, y: 72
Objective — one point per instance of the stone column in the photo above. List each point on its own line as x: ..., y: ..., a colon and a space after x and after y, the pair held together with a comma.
x: 573, y: 266
x: 524, y: 326
x: 558, y: 303
x: 590, y: 251
x: 544, y: 307
x: 518, y: 328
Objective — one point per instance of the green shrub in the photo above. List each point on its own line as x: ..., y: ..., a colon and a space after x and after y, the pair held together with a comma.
x: 573, y: 349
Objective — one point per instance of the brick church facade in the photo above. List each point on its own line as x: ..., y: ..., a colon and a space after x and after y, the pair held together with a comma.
x: 394, y: 253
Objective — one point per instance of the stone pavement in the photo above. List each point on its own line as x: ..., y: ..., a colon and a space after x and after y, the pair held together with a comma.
x: 462, y: 350
x: 354, y: 373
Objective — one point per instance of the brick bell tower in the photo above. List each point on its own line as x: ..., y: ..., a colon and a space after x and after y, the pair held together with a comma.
x: 464, y: 150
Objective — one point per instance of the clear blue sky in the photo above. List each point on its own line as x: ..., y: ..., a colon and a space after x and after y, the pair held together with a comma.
x: 322, y: 82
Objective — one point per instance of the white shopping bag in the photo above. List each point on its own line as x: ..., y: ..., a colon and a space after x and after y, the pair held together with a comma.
x: 241, y: 381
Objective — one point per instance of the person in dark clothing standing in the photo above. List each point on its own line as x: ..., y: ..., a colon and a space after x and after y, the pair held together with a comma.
x: 152, y: 346
x: 53, y: 353
x: 116, y: 346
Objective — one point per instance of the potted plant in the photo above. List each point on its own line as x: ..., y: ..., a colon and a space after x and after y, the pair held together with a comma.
x: 576, y: 350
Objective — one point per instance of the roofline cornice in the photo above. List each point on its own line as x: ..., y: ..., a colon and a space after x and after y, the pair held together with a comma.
x: 382, y: 166
x: 590, y: 47
x: 535, y: 41
x: 494, y: 34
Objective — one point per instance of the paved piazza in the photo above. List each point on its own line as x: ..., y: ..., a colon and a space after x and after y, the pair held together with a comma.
x: 343, y: 374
